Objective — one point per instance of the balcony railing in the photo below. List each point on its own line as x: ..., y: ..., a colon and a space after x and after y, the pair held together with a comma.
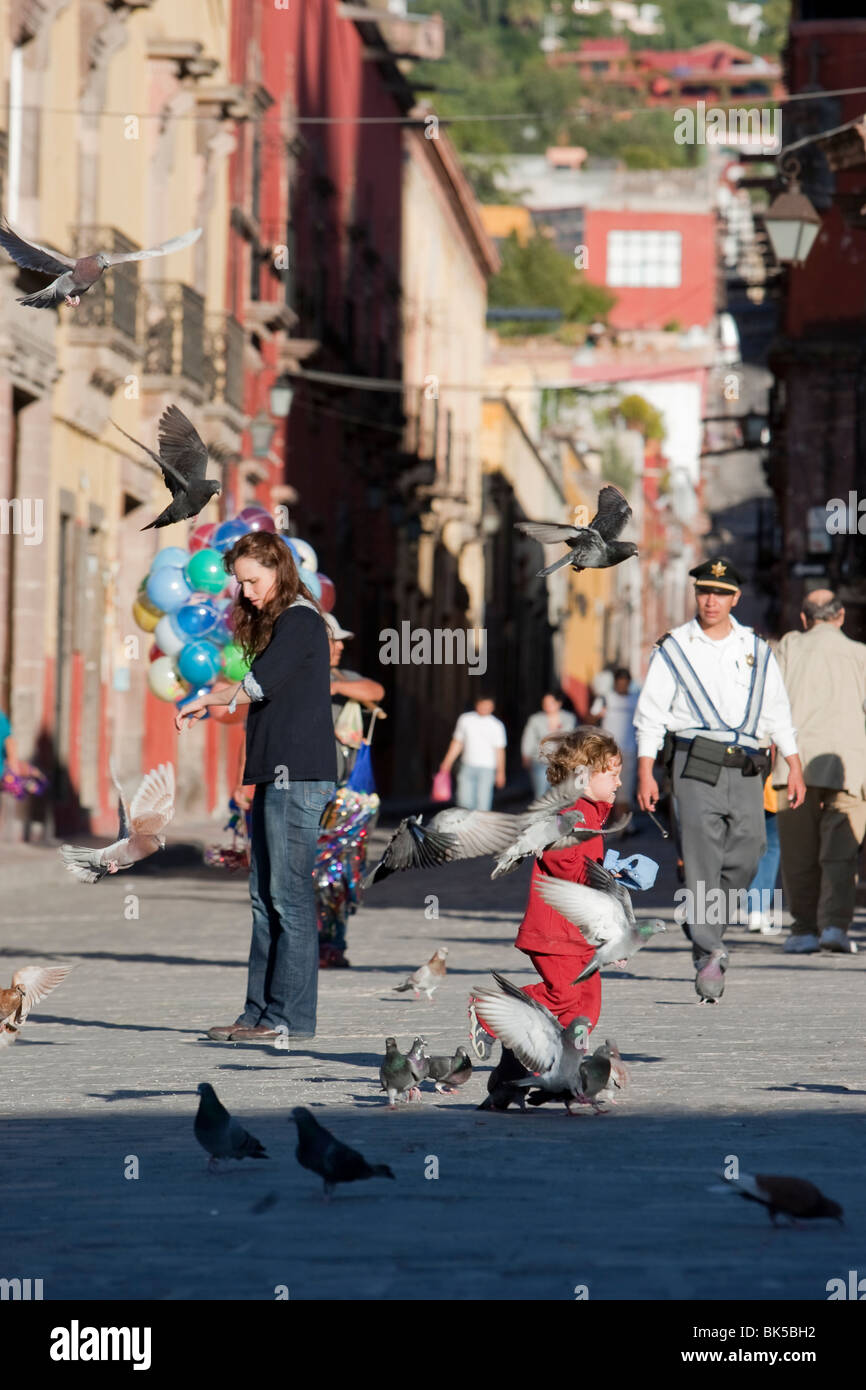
x: 113, y: 300
x: 224, y: 360
x: 173, y: 330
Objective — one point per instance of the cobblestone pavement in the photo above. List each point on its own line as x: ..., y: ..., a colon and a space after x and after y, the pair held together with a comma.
x: 524, y: 1206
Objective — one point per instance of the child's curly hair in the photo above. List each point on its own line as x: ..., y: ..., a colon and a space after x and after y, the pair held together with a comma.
x: 582, y: 747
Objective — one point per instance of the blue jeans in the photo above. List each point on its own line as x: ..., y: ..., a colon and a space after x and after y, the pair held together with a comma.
x: 767, y: 871
x: 283, y: 980
x: 475, y: 787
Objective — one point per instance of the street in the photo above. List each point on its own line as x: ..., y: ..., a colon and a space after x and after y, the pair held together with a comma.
x: 525, y: 1206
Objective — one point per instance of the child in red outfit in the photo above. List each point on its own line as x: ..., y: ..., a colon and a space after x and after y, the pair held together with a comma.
x: 557, y: 948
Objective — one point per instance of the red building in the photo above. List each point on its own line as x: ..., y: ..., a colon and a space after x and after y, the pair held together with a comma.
x: 660, y: 265
x: 818, y: 421
x: 715, y: 71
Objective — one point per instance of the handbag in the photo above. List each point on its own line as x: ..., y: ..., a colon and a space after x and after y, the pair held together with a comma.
x: 441, y: 787
x: 704, y: 760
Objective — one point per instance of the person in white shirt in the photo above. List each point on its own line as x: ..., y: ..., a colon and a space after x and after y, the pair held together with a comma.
x: 550, y: 719
x: 615, y: 714
x: 479, y: 741
x: 714, y: 695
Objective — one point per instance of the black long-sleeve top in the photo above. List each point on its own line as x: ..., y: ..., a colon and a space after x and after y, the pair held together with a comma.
x: 289, y: 724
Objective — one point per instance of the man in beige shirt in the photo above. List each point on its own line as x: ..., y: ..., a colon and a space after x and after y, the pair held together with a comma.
x: 825, y: 676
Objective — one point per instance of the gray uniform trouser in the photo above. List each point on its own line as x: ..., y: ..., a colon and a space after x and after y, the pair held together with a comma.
x: 723, y: 837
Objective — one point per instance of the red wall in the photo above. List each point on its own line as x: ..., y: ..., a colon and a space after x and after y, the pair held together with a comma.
x: 692, y: 301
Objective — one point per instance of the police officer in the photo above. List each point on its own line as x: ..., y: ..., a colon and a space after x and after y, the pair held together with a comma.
x: 714, y: 695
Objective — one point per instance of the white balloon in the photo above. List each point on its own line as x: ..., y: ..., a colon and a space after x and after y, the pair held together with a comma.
x: 306, y: 554
x: 166, y: 638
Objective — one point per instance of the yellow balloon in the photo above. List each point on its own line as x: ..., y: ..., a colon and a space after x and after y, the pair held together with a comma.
x: 145, y: 615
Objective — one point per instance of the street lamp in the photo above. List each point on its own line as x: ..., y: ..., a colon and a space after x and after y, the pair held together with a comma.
x: 281, y: 396
x: 791, y: 221
x: 261, y: 433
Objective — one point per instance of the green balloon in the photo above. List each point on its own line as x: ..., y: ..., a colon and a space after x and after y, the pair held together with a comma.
x: 204, y: 572
x: 236, y: 665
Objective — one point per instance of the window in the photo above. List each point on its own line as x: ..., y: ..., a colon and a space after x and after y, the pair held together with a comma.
x: 652, y: 260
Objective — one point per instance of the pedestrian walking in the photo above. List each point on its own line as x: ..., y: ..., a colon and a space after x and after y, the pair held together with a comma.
x: 479, y: 741
x: 550, y: 719
x: 714, y: 696
x: 825, y: 676
x: 615, y: 713
x: 290, y: 759
x: 349, y: 691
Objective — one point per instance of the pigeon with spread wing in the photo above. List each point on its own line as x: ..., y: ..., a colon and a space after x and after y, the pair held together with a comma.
x: 592, y: 547
x: 29, y: 986
x: 182, y: 458
x: 74, y: 277
x: 140, y: 833
x: 604, y: 913
x: 451, y: 834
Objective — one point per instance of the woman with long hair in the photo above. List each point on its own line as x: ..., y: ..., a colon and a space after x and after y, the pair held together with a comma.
x: 290, y: 757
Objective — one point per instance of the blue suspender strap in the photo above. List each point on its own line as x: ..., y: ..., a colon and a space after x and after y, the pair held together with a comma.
x: 756, y: 693
x: 708, y: 716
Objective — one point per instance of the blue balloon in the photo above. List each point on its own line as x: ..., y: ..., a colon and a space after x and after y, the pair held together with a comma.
x: 198, y: 618
x: 288, y: 541
x: 188, y: 699
x: 312, y: 582
x: 199, y: 663
x: 173, y: 555
x: 167, y: 588
x: 227, y: 533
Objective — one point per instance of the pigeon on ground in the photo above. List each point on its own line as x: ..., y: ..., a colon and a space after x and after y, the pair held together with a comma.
x: 140, y: 833
x: 219, y: 1133
x: 427, y: 977
x: 419, y: 1062
x: 182, y: 458
x: 333, y: 1160
x: 710, y: 979
x: 449, y: 1072
x: 619, y: 1072
x: 552, y: 1053
x: 592, y: 547
x: 396, y: 1075
x: 452, y: 834
x: 796, y: 1198
x: 502, y: 1083
x: 75, y: 277
x: 549, y: 824
x: 604, y: 914
x: 29, y: 985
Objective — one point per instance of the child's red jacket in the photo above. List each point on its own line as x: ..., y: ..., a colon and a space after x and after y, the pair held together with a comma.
x: 544, y: 931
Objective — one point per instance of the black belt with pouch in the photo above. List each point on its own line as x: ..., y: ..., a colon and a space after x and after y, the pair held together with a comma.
x: 707, y: 756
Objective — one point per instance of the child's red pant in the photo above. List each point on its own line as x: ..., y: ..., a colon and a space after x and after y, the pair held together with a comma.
x: 557, y: 993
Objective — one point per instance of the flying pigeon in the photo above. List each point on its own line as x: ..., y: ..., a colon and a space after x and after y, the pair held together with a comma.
x: 502, y: 1083
x: 592, y: 547
x: 419, y: 1062
x: 183, y: 459
x: 793, y: 1197
x: 29, y: 986
x: 710, y: 979
x: 604, y: 914
x: 549, y: 824
x: 449, y: 1072
x: 219, y: 1133
x: 451, y: 834
x: 140, y: 833
x: 427, y: 977
x: 396, y: 1075
x: 75, y: 277
x: 333, y: 1160
x: 552, y: 1053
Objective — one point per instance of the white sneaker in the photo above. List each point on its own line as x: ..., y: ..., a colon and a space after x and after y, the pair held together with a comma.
x: 835, y: 939
x: 801, y: 945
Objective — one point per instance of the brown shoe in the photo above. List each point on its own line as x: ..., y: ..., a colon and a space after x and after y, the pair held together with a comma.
x: 260, y: 1034
x: 223, y: 1032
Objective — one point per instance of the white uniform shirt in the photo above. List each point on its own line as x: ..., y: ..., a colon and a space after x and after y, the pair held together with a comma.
x: 481, y: 735
x: 726, y: 677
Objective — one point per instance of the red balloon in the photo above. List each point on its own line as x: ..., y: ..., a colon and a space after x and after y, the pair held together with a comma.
x: 257, y: 518
x: 154, y: 653
x: 201, y: 536
x: 329, y: 593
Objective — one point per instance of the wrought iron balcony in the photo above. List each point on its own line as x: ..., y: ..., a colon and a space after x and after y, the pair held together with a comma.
x: 224, y: 360
x: 173, y: 330
x: 113, y: 300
